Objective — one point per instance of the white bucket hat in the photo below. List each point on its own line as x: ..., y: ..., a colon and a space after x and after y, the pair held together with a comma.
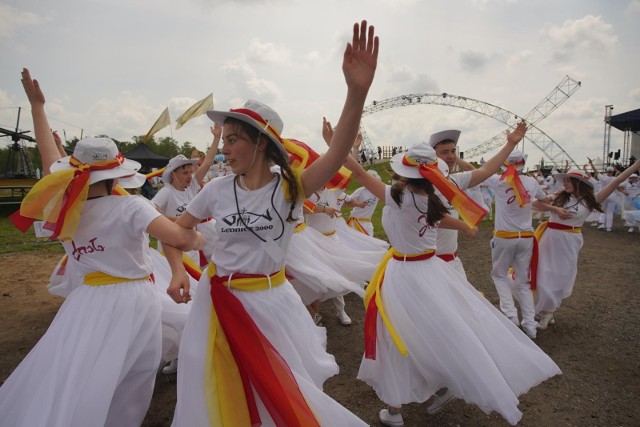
x: 575, y: 173
x: 445, y: 135
x: 258, y: 115
x: 174, y: 164
x: 419, y: 153
x: 92, y: 150
x: 515, y: 158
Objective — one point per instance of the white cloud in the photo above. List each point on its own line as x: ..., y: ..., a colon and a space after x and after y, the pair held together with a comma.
x: 519, y: 58
x: 589, y: 35
x: 634, y: 6
x: 247, y: 83
x: 268, y: 53
x: 13, y: 18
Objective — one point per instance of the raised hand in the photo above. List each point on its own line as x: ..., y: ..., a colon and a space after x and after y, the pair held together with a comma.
x: 32, y: 88
x: 327, y: 130
x: 361, y: 57
x: 216, y: 130
x: 515, y: 136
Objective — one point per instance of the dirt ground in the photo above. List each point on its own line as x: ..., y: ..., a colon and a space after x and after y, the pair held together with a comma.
x: 595, y: 341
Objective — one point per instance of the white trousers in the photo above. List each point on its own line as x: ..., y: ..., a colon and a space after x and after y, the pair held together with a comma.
x: 515, y: 253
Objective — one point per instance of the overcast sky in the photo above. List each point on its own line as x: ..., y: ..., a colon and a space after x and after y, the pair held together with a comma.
x: 112, y: 66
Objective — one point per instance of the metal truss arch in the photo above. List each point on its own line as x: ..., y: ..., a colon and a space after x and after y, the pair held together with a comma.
x: 552, y: 150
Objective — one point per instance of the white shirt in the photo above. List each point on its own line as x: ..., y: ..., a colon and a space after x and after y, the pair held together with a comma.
x: 363, y: 195
x: 509, y: 215
x: 448, y: 239
x: 111, y: 237
x: 237, y: 249
x: 173, y: 202
x: 321, y: 222
x: 406, y: 225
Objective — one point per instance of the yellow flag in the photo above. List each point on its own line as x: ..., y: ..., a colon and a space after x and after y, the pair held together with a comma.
x: 162, y: 122
x: 195, y: 110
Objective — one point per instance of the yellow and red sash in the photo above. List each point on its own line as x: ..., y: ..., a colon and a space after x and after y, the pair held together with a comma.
x: 58, y: 198
x: 533, y: 267
x: 155, y: 173
x: 373, y: 303
x: 241, y: 359
x: 512, y: 178
x: 354, y: 222
x: 470, y: 211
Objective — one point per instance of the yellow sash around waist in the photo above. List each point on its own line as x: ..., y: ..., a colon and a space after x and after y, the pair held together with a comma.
x: 98, y: 278
x: 503, y: 234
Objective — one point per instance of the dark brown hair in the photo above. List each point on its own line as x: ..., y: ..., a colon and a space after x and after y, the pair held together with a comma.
x: 583, y: 192
x: 275, y: 156
x: 435, y: 208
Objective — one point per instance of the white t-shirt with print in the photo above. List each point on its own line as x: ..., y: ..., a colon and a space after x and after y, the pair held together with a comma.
x: 321, y: 222
x: 406, y: 225
x: 174, y: 202
x: 265, y: 211
x: 111, y: 237
x: 363, y: 195
x: 448, y: 239
x: 509, y: 215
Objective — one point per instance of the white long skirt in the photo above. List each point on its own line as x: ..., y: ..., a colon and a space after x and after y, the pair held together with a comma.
x: 96, y: 364
x: 285, y: 322
x: 315, y: 269
x: 557, y: 268
x: 455, y: 338
x: 173, y: 315
x: 354, y: 239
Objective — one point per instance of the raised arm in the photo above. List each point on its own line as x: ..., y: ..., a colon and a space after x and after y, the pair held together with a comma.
x: 59, y: 145
x: 494, y: 163
x: 358, y: 65
x: 216, y: 131
x: 44, y: 138
x: 616, y: 181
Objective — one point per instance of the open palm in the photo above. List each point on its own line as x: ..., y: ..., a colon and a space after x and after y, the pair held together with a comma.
x: 361, y: 57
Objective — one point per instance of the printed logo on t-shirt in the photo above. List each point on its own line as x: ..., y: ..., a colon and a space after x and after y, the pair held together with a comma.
x: 180, y: 209
x: 422, y: 219
x: 372, y: 201
x: 78, y: 251
x: 235, y: 224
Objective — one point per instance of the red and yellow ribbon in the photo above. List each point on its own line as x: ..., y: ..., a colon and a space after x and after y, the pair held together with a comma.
x: 373, y: 304
x: 241, y: 359
x: 354, y: 222
x: 58, y: 198
x: 470, y: 211
x: 512, y: 178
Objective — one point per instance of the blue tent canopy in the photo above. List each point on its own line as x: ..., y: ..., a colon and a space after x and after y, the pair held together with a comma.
x: 626, y: 121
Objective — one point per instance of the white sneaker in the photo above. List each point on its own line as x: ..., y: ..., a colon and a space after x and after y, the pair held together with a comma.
x: 387, y: 419
x: 171, y: 367
x: 344, y: 318
x: 608, y: 229
x: 544, y: 320
x: 439, y: 402
x: 630, y: 230
x: 600, y: 226
x: 552, y: 321
x: 531, y: 332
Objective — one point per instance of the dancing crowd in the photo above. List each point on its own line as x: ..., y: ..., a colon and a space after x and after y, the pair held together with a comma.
x: 230, y: 299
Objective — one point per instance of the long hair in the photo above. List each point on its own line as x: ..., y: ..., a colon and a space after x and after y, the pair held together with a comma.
x: 583, y: 192
x: 274, y: 155
x: 435, y: 208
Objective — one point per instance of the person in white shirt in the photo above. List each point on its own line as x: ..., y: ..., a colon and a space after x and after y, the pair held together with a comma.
x: 426, y: 327
x: 561, y: 241
x: 513, y: 242
x: 248, y: 337
x: 97, y: 362
x: 445, y: 145
x: 360, y: 217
